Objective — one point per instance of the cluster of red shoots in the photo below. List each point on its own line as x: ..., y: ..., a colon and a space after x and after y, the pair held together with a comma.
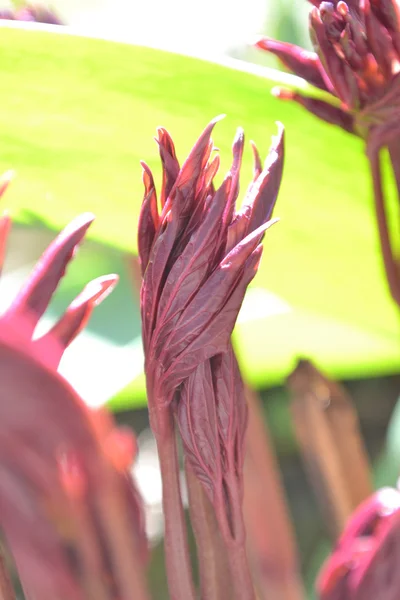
x: 357, y: 63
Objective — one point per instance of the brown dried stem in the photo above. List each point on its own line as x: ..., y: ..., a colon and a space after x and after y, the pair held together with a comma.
x: 6, y: 587
x: 328, y: 432
x: 271, y: 540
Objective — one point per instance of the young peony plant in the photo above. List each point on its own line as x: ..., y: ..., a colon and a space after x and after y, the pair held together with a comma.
x: 357, y: 62
x: 70, y: 512
x: 198, y: 253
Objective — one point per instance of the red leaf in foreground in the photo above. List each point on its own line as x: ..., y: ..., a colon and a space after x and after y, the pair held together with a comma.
x: 68, y: 506
x: 364, y: 564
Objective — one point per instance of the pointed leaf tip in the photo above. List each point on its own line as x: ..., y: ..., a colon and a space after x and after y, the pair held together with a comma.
x: 217, y: 119
x: 75, y: 317
x: 35, y: 295
x: 76, y: 229
x: 277, y: 143
x: 146, y: 169
x: 5, y: 180
x: 277, y: 139
x: 282, y: 93
x: 96, y: 290
x: 82, y: 221
x: 145, y: 166
x: 247, y: 245
x: 258, y: 41
x: 239, y: 132
x: 238, y: 140
x: 8, y: 175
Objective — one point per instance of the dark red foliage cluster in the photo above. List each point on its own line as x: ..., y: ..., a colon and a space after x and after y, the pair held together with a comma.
x: 198, y: 253
x: 64, y: 469
x: 356, y: 60
x: 357, y: 63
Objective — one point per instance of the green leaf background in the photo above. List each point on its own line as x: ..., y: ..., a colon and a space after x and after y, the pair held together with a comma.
x: 79, y: 114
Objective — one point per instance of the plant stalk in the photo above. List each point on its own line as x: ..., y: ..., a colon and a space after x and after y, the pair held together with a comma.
x: 394, y: 152
x: 240, y: 572
x: 234, y: 534
x: 211, y: 550
x: 179, y: 571
x: 392, y: 267
x: 177, y: 557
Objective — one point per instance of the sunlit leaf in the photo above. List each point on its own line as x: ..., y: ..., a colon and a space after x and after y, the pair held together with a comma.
x: 77, y: 116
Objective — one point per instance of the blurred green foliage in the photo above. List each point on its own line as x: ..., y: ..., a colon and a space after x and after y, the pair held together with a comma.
x: 77, y: 116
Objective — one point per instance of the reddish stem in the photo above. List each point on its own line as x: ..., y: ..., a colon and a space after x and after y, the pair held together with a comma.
x: 179, y: 571
x: 394, y: 152
x: 177, y: 559
x: 234, y: 534
x: 240, y: 573
x: 391, y: 265
x: 211, y: 551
